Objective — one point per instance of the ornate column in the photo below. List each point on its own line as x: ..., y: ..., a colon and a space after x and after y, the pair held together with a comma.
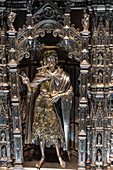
x: 111, y: 136
x: 66, y: 29
x: 29, y: 28
x: 66, y: 41
x: 99, y: 88
x: 14, y: 92
x: 5, y: 127
x: 111, y: 94
x: 83, y: 104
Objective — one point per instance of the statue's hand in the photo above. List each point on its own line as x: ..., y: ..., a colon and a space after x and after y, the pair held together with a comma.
x: 55, y: 99
x: 25, y: 79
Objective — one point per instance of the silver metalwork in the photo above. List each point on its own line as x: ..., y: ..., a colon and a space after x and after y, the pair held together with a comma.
x: 85, y: 22
x: 21, y: 45
x: 11, y: 19
x: 55, y: 84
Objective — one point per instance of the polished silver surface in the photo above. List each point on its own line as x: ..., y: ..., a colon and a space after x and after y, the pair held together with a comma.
x: 92, y: 136
x: 55, y: 84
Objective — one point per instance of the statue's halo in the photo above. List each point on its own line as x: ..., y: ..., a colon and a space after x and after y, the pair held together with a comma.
x: 49, y: 47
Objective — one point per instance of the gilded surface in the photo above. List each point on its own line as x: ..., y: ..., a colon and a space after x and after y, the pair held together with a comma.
x: 46, y: 123
x: 54, y: 84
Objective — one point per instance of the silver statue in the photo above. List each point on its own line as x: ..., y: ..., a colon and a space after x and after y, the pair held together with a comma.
x: 55, y: 84
x: 99, y: 156
x: 11, y: 19
x: 85, y: 22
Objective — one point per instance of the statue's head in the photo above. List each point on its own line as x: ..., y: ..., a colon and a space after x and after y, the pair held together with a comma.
x: 50, y: 58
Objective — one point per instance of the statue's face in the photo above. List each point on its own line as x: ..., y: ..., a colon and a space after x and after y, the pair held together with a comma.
x: 51, y: 61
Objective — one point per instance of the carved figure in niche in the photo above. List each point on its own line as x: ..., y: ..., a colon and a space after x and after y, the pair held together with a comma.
x: 3, y: 151
x: 3, y: 135
x: 55, y: 84
x: 99, y: 139
x: 99, y: 121
x: 11, y: 19
x: 100, y: 59
x: 100, y: 77
x: 85, y: 22
x: 99, y: 156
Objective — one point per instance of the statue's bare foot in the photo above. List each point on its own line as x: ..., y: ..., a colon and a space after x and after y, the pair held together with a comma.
x: 68, y: 152
x: 39, y: 163
x: 62, y: 163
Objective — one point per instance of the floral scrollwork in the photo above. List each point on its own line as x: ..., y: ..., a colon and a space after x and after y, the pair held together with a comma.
x: 40, y: 32
x: 57, y: 32
x: 23, y: 54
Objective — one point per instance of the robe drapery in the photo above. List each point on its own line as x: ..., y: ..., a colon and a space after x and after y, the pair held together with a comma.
x: 46, y: 123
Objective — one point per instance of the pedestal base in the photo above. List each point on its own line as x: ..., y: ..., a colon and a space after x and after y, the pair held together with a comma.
x: 3, y: 168
x: 50, y: 166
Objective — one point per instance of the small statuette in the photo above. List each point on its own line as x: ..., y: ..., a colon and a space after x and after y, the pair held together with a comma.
x: 11, y: 19
x: 85, y: 22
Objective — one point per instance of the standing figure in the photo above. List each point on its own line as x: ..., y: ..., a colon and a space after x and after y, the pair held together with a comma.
x: 100, y: 59
x: 100, y: 77
x: 54, y: 84
x: 99, y: 156
x: 85, y: 22
x: 99, y: 139
x: 11, y: 19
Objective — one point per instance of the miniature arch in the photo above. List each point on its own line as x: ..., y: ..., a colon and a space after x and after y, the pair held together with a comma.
x: 71, y: 42
x: 100, y: 71
x: 48, y: 26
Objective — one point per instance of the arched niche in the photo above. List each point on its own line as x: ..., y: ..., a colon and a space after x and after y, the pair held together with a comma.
x: 48, y: 32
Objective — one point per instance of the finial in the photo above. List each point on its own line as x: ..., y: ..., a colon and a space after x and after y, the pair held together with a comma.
x: 68, y: 6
